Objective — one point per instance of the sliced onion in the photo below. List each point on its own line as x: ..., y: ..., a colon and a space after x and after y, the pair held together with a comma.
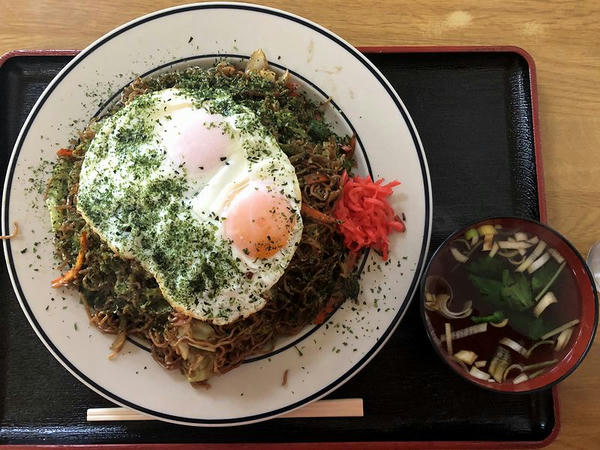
x: 513, y: 245
x: 557, y: 256
x: 458, y: 255
x: 516, y: 262
x: 521, y: 251
x: 499, y: 363
x: 539, y: 262
x: 480, y: 364
x: 466, y: 332
x: 535, y: 374
x: 563, y: 339
x: 494, y: 250
x: 548, y: 299
x: 466, y: 356
x: 438, y: 284
x: 533, y: 240
x: 539, y: 365
x: 431, y: 306
x: 460, y: 363
x: 508, y: 253
x: 566, y: 326
x: 520, y: 236
x: 508, y: 342
x: 521, y: 378
x: 554, y: 277
x: 448, y: 336
x: 536, y: 345
x: 537, y: 252
x: 431, y: 302
x: 443, y: 300
x: 488, y: 240
x: 480, y: 374
x: 500, y: 324
x: 464, y: 242
x: 509, y: 368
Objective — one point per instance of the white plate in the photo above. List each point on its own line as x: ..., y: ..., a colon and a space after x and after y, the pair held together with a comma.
x: 389, y: 147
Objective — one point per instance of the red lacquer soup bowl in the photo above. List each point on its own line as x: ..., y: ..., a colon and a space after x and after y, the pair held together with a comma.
x: 509, y: 304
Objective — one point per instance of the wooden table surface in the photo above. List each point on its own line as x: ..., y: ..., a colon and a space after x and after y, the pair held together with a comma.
x: 562, y: 36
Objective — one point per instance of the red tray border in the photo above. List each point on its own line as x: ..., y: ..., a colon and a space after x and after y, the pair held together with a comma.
x: 365, y: 445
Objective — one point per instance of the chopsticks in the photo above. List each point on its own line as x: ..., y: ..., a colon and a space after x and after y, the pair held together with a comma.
x: 344, y: 407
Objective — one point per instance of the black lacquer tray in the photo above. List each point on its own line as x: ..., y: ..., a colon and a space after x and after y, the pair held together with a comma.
x: 475, y: 110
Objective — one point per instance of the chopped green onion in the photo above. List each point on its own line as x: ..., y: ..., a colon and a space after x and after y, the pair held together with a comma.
x: 537, y: 252
x: 557, y: 256
x: 536, y: 345
x: 458, y: 255
x: 466, y: 332
x: 442, y: 302
x: 539, y: 262
x: 479, y: 373
x: 520, y: 236
x: 499, y: 363
x: 509, y: 368
x: 558, y: 330
x: 539, y: 365
x: 471, y: 233
x: 448, y: 336
x: 548, y: 299
x: 498, y: 316
x: 488, y: 242
x: 500, y: 324
x: 554, y: 277
x: 521, y: 378
x: 512, y: 245
x: 563, y: 339
x: 508, y: 342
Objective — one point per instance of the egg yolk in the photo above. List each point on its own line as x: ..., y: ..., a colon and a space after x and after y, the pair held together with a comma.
x: 200, y: 144
x: 259, y: 222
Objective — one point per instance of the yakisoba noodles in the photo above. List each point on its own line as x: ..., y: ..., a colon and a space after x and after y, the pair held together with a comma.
x: 175, y: 248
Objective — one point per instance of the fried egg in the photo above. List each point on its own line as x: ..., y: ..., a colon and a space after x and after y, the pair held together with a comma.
x: 200, y: 194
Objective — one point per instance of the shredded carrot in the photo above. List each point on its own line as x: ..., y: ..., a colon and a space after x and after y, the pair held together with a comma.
x: 348, y: 264
x: 72, y: 273
x: 316, y: 215
x: 365, y: 214
x: 292, y: 88
x: 327, y: 310
x: 65, y: 152
x: 315, y: 178
x: 349, y: 148
x: 11, y: 235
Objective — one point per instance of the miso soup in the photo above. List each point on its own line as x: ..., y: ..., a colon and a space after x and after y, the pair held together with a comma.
x: 502, y: 304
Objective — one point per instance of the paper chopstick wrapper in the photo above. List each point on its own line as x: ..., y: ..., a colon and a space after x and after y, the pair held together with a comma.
x: 346, y: 407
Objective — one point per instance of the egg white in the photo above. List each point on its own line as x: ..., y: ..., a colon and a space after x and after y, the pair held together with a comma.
x: 146, y: 206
